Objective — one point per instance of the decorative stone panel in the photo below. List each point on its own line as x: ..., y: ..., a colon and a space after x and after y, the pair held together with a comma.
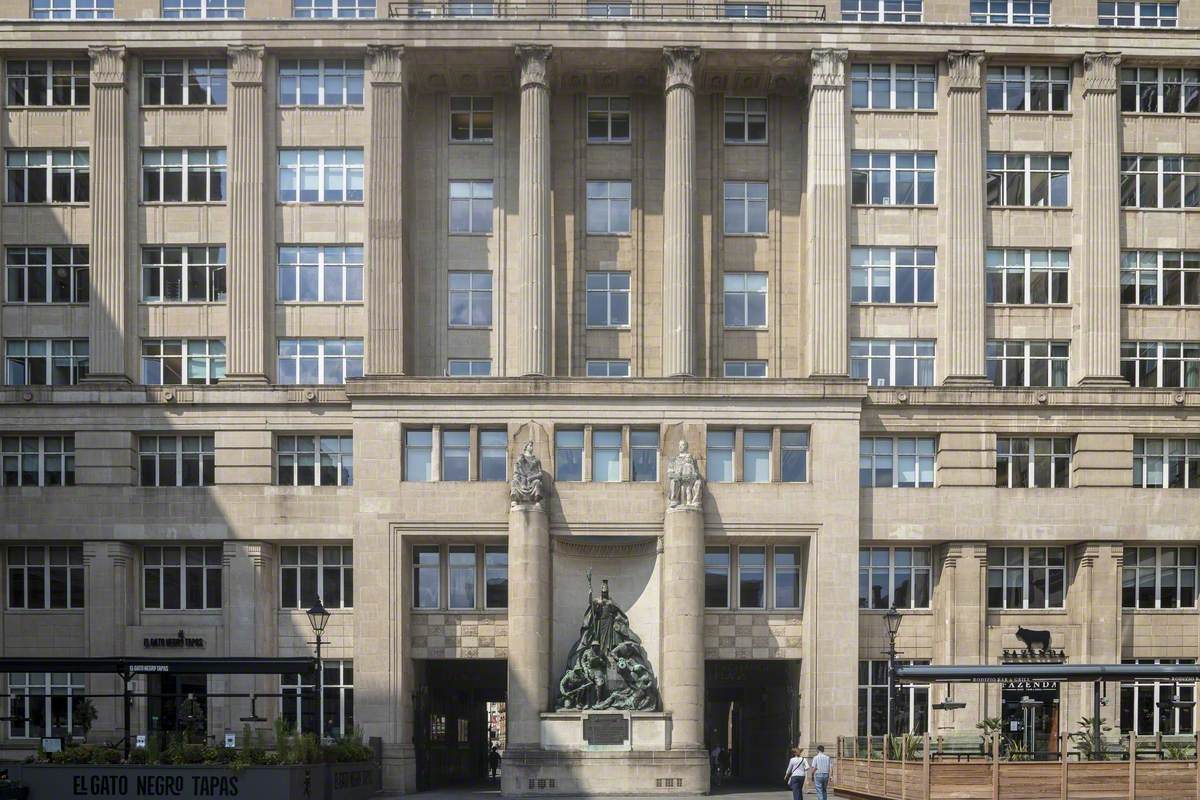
x: 459, y: 636
x: 740, y: 635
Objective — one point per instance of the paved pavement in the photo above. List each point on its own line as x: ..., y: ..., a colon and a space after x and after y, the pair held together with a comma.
x: 728, y: 792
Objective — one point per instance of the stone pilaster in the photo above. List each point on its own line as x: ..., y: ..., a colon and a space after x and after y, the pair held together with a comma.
x: 679, y: 214
x: 960, y: 601
x: 249, y: 317
x: 109, y: 304
x: 1098, y: 605
x: 682, y: 671
x: 534, y: 332
x: 827, y: 220
x: 1096, y: 278
x: 386, y: 279
x: 110, y: 602
x: 961, y: 296
x: 528, y: 625
x: 251, y: 618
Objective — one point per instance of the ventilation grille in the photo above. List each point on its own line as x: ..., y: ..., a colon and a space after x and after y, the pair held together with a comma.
x: 542, y: 783
x: 668, y: 783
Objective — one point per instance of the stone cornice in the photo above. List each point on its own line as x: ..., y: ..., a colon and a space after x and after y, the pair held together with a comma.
x: 386, y: 63
x: 680, y: 64
x: 534, y: 62
x: 829, y: 68
x: 246, y: 63
x: 108, y: 65
x: 964, y: 70
x: 1100, y: 72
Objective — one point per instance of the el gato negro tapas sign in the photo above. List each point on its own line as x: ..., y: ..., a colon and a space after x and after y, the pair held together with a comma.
x: 180, y: 640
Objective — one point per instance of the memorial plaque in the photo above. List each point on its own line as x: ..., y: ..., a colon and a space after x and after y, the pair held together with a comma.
x: 600, y: 729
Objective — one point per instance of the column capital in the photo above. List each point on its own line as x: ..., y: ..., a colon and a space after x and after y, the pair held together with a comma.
x: 108, y: 65
x: 1100, y: 72
x: 534, y: 60
x: 829, y: 68
x: 681, y: 66
x: 246, y: 63
x: 964, y: 70
x: 386, y: 63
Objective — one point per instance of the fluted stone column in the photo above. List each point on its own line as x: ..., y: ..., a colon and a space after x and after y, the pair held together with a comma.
x: 961, y: 299
x: 683, y: 625
x: 109, y: 305
x: 249, y: 317
x: 827, y: 221
x: 1096, y: 344
x: 679, y: 214
x: 110, y: 600
x: 534, y: 278
x: 1098, y: 605
x: 386, y: 280
x: 251, y: 619
x: 959, y: 598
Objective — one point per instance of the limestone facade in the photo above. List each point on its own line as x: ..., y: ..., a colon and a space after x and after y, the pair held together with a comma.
x: 483, y: 251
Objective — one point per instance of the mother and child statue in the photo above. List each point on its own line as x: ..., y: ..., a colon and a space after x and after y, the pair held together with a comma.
x: 607, y: 667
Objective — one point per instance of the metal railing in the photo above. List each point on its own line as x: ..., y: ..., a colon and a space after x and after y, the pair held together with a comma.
x: 599, y: 12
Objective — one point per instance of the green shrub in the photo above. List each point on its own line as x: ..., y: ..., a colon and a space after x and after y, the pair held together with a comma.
x: 85, y: 754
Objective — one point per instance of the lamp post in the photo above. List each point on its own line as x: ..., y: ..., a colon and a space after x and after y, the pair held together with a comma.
x: 318, y: 618
x: 892, y: 619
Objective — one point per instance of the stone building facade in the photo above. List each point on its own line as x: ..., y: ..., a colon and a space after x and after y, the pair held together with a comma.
x: 285, y: 296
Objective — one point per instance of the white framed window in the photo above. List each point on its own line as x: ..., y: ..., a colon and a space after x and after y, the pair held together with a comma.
x: 882, y: 10
x: 643, y: 455
x: 746, y: 10
x: 1160, y: 277
x: 44, y: 704
x: 460, y: 573
x: 716, y: 577
x: 1028, y: 277
x: 462, y: 577
x: 1159, y: 577
x: 470, y: 8
x: 493, y: 455
x: 1149, y: 708
x: 608, y: 207
x: 47, y: 176
x: 314, y: 460
x: 606, y: 456
x: 793, y: 456
x: 1039, y: 180
x: 43, y: 83
x: 893, y: 86
x: 756, y: 456
x: 181, y: 577
x: 607, y: 299
x: 469, y: 367
x: 1160, y: 90
x: 608, y: 117
x: 745, y: 120
x: 45, y: 362
x: 47, y: 275
x: 1026, y: 577
x: 176, y: 460
x: 744, y: 369
x: 607, y: 368
x: 568, y: 454
x: 471, y: 118
x: 319, y: 361
x: 300, y: 704
x: 1160, y: 181
x: 324, y: 274
x: 1166, y: 463
x: 912, y: 700
x: 320, y: 82
x: 167, y: 362
x: 1033, y: 462
x: 37, y: 460
x: 72, y: 9
x: 893, y: 178
x: 895, y: 577
x: 787, y: 567
x: 1020, y: 362
x: 759, y: 570
x: 427, y: 576
x: 719, y: 446
x: 1164, y: 365
x: 45, y: 576
x: 418, y: 454
x: 904, y: 462
x: 185, y: 82
x: 333, y: 9
x: 745, y: 208
x: 471, y: 207
x: 745, y: 299
x: 333, y: 175
x: 1010, y: 12
x: 602, y: 9
x: 456, y: 454
x: 752, y: 577
x: 183, y: 275
x: 470, y: 299
x: 892, y: 362
x: 203, y: 9
x: 1022, y: 88
x: 184, y: 175
x: 495, y: 576
x: 894, y: 275
x: 1137, y: 14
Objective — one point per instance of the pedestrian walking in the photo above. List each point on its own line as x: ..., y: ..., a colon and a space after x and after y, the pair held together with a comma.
x: 821, y: 764
x: 798, y: 766
x: 714, y: 757
x: 494, y: 761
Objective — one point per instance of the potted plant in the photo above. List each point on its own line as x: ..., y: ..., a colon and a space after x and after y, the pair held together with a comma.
x: 85, y: 716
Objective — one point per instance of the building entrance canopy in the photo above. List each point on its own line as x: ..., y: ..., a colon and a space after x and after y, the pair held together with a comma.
x: 1080, y: 673
x: 181, y: 666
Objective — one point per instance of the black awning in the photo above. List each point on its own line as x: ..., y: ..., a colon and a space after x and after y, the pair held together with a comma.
x: 189, y: 666
x: 970, y: 673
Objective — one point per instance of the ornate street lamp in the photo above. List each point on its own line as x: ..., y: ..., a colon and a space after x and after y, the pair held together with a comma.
x: 318, y: 618
x: 892, y: 619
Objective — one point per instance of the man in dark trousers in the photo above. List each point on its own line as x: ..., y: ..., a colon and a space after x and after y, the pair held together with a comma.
x: 494, y: 761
